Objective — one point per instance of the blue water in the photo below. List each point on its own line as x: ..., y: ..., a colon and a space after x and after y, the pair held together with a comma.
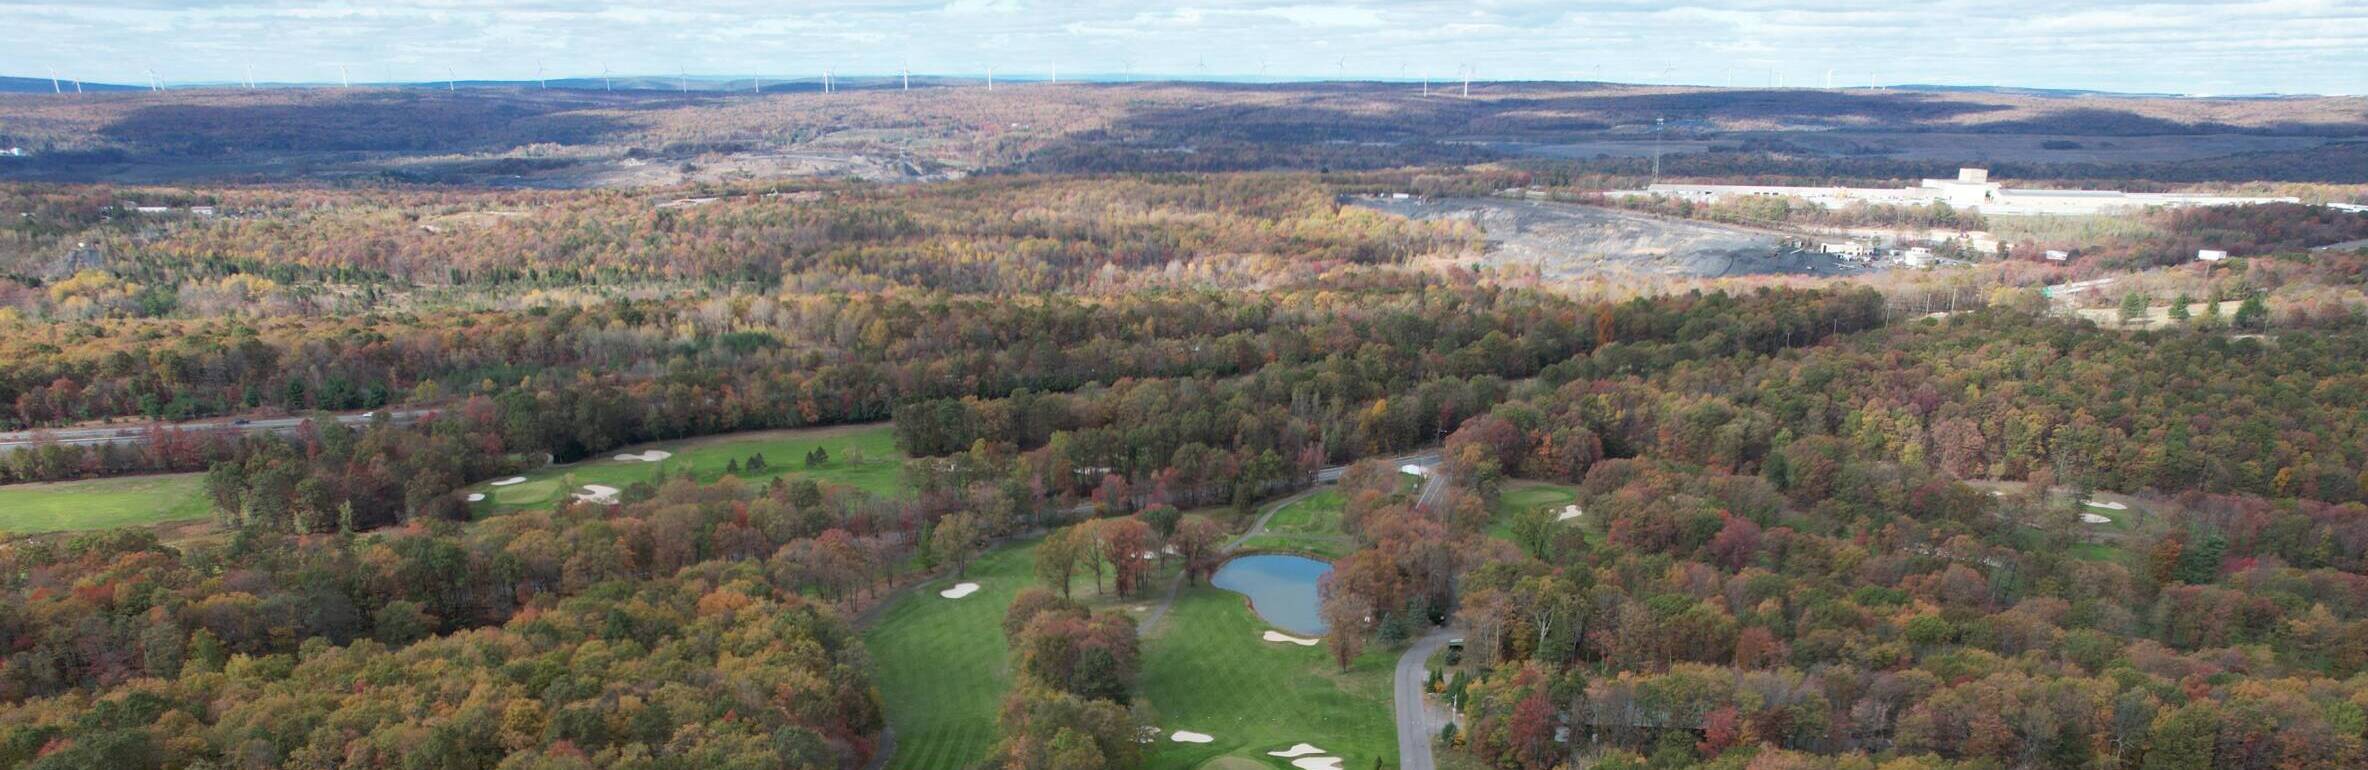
x: 1281, y: 588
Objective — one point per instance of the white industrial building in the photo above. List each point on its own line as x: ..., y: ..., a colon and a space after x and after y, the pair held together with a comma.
x: 1971, y: 190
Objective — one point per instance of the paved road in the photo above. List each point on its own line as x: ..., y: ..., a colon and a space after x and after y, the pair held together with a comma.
x: 134, y: 433
x: 1415, y: 728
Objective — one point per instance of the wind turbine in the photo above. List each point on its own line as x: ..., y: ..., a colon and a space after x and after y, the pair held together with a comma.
x: 451, y: 80
x: 1467, y: 81
x: 538, y: 75
x: 1657, y: 124
x: 990, y: 77
x: 1056, y: 71
x: 345, y: 78
x: 907, y: 75
x: 53, y: 82
x: 154, y: 84
x: 1829, y: 78
x: 682, y: 79
x: 250, y: 76
x: 604, y: 84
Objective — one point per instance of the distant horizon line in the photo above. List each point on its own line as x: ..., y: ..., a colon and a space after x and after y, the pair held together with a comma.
x: 892, y: 78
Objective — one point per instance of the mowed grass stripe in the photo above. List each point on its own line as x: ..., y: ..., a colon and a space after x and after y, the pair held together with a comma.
x: 879, y: 469
x: 1208, y: 671
x: 101, y: 503
x: 942, y: 665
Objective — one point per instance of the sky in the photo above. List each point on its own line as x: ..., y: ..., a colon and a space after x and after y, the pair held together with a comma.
x: 2182, y: 47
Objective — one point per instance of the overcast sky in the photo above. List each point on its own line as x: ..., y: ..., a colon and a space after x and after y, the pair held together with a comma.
x: 2191, y: 47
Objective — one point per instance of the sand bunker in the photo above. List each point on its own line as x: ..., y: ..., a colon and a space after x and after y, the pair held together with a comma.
x: 1278, y: 636
x: 509, y: 481
x: 598, y: 493
x: 2090, y: 518
x: 2107, y: 506
x: 1188, y: 736
x: 959, y: 590
x: 1300, y: 750
x: 1316, y: 763
x: 651, y: 456
x: 1568, y: 512
x: 476, y: 497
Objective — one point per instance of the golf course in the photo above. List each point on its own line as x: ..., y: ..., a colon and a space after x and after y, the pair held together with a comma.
x: 861, y: 456
x: 100, y: 503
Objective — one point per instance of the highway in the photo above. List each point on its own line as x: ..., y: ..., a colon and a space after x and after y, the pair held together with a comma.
x: 135, y: 433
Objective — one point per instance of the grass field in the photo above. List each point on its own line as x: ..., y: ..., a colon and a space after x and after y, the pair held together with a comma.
x: 1310, y: 525
x: 942, y: 666
x: 100, y: 503
x: 863, y: 456
x: 1520, y: 496
x: 1206, y: 670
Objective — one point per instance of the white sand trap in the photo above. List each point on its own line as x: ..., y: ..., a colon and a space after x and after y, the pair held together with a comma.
x: 2090, y: 518
x: 1316, y: 763
x: 476, y: 497
x: 959, y: 590
x: 1568, y: 512
x: 1300, y: 750
x: 1188, y: 736
x: 509, y: 481
x: 598, y: 493
x: 1278, y: 636
x: 651, y: 456
x: 2107, y: 506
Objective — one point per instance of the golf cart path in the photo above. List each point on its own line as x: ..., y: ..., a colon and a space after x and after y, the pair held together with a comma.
x: 1414, y: 723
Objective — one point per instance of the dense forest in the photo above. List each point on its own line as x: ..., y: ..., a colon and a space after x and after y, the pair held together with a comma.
x: 1825, y: 523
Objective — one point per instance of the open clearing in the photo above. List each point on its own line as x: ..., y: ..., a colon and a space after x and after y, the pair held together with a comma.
x: 943, y: 668
x: 1310, y: 524
x: 1207, y: 668
x: 862, y: 456
x: 1567, y: 241
x: 101, y: 503
x: 1523, y: 496
x: 2157, y: 316
x: 942, y: 665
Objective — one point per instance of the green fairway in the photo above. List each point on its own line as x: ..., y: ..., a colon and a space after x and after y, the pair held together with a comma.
x: 1523, y: 496
x: 862, y: 456
x: 100, y: 503
x: 1317, y: 513
x: 1206, y: 670
x: 1310, y: 524
x: 942, y: 666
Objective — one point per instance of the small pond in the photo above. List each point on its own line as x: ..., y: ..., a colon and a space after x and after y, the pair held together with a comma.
x: 1281, y: 588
